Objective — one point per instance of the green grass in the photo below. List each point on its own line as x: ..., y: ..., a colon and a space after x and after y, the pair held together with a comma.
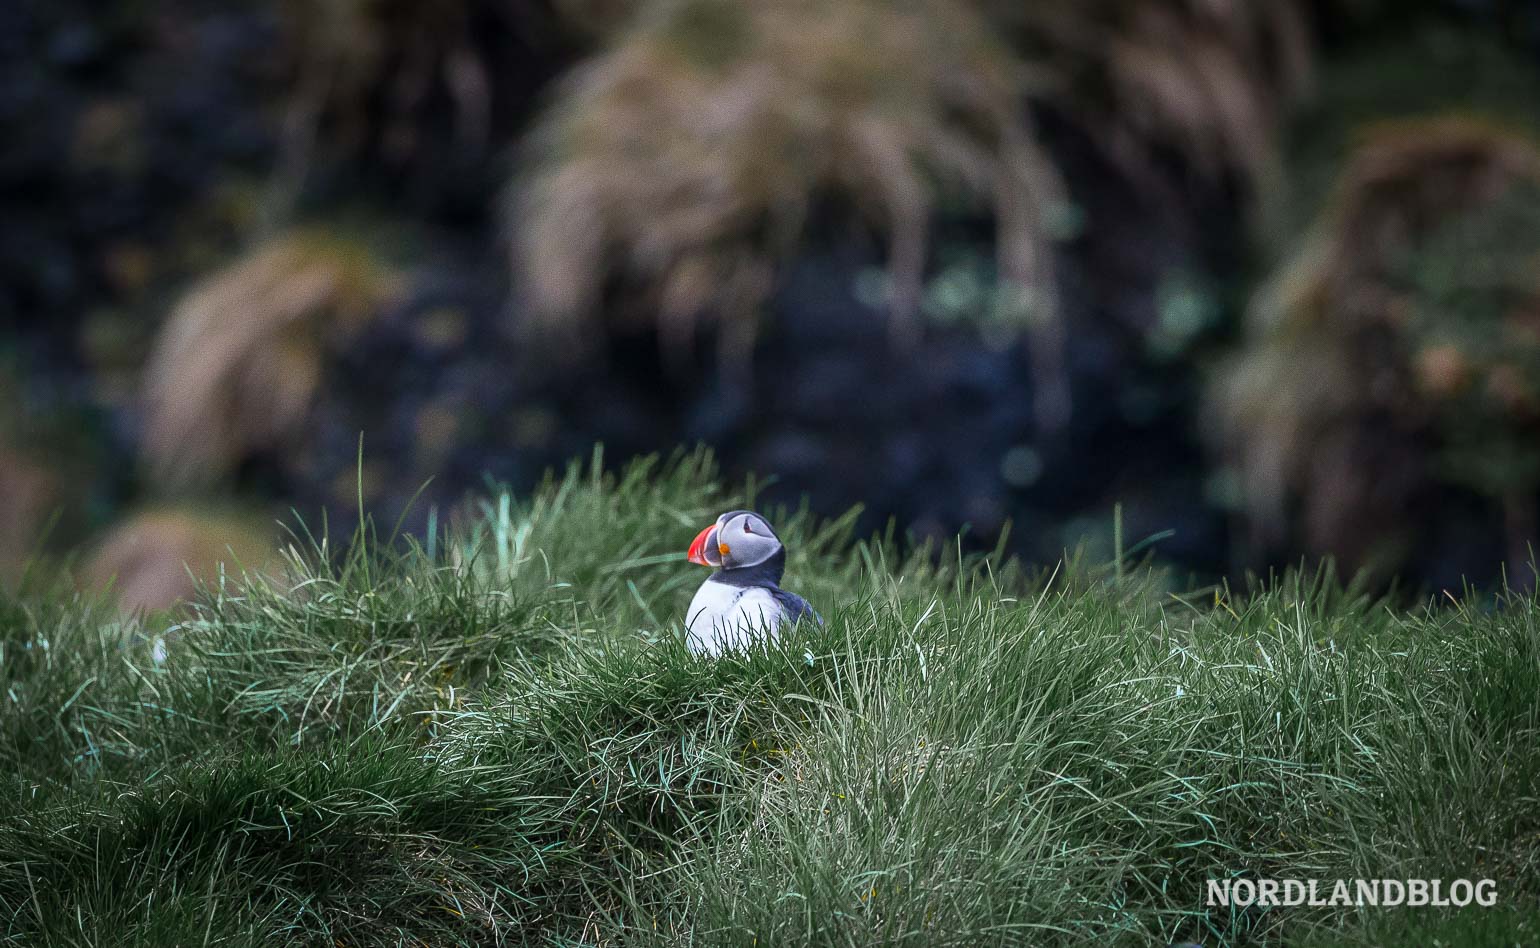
x: 498, y: 739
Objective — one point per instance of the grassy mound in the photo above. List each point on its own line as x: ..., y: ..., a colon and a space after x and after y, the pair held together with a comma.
x: 497, y: 738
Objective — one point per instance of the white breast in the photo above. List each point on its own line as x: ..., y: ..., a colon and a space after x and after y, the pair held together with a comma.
x: 722, y: 618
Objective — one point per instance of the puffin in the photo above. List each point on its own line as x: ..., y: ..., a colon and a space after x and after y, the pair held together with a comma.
x: 742, y: 602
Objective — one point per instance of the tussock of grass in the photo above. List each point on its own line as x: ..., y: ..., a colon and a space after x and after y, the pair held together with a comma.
x: 237, y: 365
x: 685, y: 160
x: 497, y: 738
x: 1388, y: 273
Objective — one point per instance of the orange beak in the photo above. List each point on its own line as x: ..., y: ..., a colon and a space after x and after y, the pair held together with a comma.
x: 697, y: 554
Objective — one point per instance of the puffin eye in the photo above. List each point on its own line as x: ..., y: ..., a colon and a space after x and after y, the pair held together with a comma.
x: 748, y: 526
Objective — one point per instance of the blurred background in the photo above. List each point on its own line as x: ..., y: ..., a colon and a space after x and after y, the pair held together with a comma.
x: 1266, y: 273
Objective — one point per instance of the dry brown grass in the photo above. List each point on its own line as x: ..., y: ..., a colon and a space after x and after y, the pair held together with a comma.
x: 676, y: 170
x: 399, y: 80
x: 351, y: 53
x: 29, y: 491
x: 236, y: 367
x: 1210, y: 79
x: 686, y: 159
x: 156, y: 559
x: 1358, y: 371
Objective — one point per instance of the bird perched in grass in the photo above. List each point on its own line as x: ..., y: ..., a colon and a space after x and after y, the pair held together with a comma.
x: 742, y: 602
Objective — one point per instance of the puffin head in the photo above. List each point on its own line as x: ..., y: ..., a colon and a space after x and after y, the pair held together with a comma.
x: 738, y: 540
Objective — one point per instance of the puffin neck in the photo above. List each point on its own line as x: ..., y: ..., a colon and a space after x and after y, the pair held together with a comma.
x: 767, y: 573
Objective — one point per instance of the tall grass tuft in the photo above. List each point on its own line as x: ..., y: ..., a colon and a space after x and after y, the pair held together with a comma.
x: 687, y: 158
x: 1397, y: 342
x: 237, y: 364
